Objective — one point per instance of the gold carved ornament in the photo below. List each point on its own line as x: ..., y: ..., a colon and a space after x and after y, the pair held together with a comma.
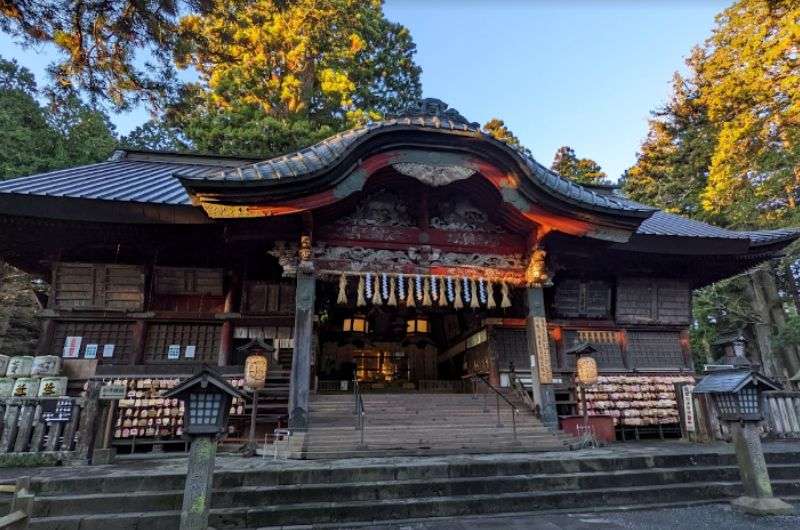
x: 586, y: 371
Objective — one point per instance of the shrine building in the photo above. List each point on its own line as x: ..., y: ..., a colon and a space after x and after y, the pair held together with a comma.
x: 410, y: 254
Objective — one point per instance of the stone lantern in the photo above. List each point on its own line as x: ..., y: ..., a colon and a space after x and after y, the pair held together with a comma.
x: 736, y: 395
x: 207, y: 401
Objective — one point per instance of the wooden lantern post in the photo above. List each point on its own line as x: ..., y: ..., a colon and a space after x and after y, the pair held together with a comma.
x: 256, y: 367
x: 207, y: 400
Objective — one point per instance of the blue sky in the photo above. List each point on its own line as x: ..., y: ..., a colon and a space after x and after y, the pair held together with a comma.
x: 579, y: 73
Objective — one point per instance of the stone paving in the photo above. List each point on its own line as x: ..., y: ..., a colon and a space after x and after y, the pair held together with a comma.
x: 705, y: 517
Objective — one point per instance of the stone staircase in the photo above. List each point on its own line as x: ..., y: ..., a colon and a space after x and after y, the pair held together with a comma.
x: 423, y: 424
x: 259, y: 493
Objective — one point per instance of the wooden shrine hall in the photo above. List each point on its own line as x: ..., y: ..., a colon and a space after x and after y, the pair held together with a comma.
x: 406, y: 254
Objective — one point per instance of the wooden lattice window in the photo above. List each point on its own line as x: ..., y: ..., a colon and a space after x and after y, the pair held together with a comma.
x: 642, y: 300
x: 98, y: 286
x: 120, y: 334
x: 201, y: 339
x: 579, y: 299
x: 655, y: 349
x: 269, y: 298
x: 188, y: 281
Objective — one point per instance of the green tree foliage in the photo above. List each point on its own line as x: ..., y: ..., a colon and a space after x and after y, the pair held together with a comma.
x: 155, y: 135
x: 726, y: 148
x: 293, y: 70
x: 102, y: 44
x: 581, y: 170
x: 37, y: 138
x: 749, y: 80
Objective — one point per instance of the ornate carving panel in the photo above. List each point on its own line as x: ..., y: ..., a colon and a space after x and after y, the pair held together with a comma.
x: 461, y: 214
x: 381, y: 208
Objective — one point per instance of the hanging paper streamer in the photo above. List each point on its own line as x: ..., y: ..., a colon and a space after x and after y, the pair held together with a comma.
x: 401, y: 287
x: 369, y: 286
x: 392, y: 296
x: 482, y: 291
x: 385, y: 286
x: 465, y: 290
x: 376, y: 292
x: 360, y: 300
x: 417, y: 288
x: 490, y: 303
x: 426, y: 292
x: 458, y: 303
x: 342, y: 298
x: 506, y: 301
x: 473, y: 295
x: 450, y: 292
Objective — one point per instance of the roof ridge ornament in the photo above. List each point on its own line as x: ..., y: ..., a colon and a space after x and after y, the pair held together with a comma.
x: 433, y: 107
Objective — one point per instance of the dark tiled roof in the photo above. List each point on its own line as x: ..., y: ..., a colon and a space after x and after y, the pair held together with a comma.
x: 320, y: 156
x: 150, y: 178
x: 732, y: 381
x: 133, y: 177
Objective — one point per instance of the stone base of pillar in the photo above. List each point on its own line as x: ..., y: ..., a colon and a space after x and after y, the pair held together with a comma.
x: 298, y: 420
x: 102, y: 457
x: 548, y: 409
x: 761, y: 506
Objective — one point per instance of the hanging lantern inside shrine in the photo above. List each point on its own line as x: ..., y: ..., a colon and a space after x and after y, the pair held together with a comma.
x: 586, y: 370
x: 355, y: 324
x: 417, y: 325
x: 255, y: 371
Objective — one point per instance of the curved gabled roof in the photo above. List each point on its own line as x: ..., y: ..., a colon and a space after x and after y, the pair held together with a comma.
x: 429, y: 115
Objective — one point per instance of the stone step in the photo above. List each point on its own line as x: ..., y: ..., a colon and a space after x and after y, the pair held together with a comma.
x: 345, y: 471
x: 437, y: 505
x: 57, y: 506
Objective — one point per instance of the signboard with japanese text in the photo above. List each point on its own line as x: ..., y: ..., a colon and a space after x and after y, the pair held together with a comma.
x: 57, y: 409
x: 72, y: 347
x: 90, y: 352
x: 108, y: 350
x: 113, y: 392
x: 174, y: 352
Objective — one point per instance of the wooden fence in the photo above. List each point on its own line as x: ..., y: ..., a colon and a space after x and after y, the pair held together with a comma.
x: 24, y: 430
x: 782, y: 408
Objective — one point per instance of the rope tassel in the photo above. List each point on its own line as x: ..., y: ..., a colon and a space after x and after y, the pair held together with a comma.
x: 410, y: 294
x: 442, y: 292
x: 342, y: 298
x: 490, y: 303
x: 426, y: 292
x: 458, y: 303
x: 392, y: 295
x: 376, y: 292
x: 473, y: 290
x: 506, y: 301
x: 360, y: 300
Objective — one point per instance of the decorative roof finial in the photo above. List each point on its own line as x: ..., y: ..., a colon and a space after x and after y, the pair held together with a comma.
x: 435, y: 107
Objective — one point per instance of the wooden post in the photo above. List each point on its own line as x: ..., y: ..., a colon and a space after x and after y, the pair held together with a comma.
x: 9, y: 435
x: 43, y: 347
x: 25, y: 427
x: 53, y: 433
x: 301, y: 359
x: 225, y: 342
x: 87, y: 429
x: 199, y: 481
x: 538, y: 348
x: 38, y: 431
x: 138, y: 344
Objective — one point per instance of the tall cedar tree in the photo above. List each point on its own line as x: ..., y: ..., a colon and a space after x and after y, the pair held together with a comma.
x: 277, y: 76
x: 36, y: 138
x: 581, y: 170
x: 726, y: 149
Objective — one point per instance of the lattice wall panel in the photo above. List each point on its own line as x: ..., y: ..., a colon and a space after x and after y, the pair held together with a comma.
x: 204, y: 337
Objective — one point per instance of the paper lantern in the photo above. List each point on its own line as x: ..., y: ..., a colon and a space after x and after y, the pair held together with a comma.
x: 255, y: 371
x: 586, y: 370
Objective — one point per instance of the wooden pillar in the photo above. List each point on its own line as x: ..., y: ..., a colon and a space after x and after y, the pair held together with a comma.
x: 539, y: 351
x: 88, y: 426
x: 138, y: 343
x: 10, y: 420
x: 301, y: 358
x: 43, y: 347
x: 225, y: 342
x: 226, y: 338
x: 25, y: 427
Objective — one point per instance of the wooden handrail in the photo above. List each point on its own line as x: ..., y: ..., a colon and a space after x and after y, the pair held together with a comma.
x: 14, y: 521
